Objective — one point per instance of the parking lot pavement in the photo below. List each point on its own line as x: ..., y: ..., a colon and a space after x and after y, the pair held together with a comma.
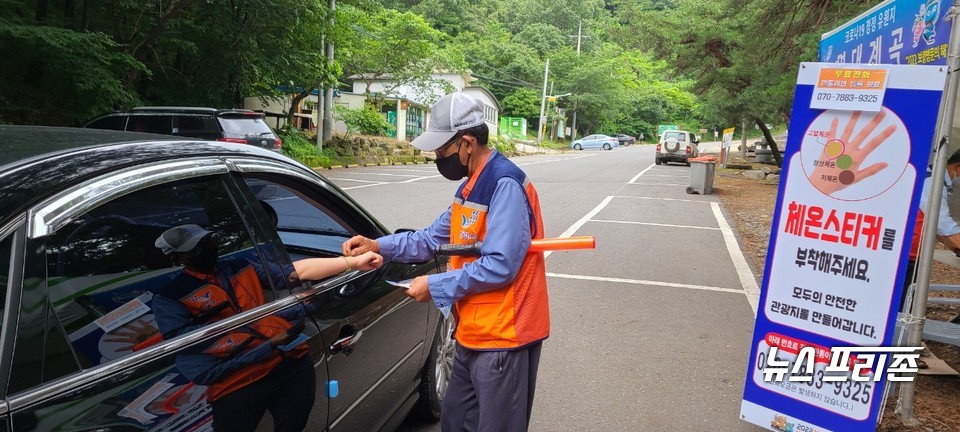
x: 651, y: 330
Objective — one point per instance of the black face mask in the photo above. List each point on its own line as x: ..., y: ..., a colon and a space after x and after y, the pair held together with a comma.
x: 204, y: 258
x: 450, y: 166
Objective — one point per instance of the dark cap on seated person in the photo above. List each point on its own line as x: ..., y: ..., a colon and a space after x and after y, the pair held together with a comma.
x: 179, y: 239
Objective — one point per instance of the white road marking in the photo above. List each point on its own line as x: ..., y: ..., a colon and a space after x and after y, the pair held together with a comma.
x: 656, y: 224
x: 645, y: 282
x: 664, y: 199
x: 747, y: 279
x: 667, y: 175
x: 660, y: 184
x: 378, y: 183
x: 411, y: 170
x: 641, y: 173
x: 355, y: 180
x: 576, y: 226
x: 363, y: 186
x: 385, y: 174
x: 419, y: 178
x: 556, y: 160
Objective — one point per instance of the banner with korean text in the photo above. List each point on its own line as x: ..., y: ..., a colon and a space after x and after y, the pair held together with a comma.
x: 728, y: 137
x: 893, y: 32
x: 855, y: 159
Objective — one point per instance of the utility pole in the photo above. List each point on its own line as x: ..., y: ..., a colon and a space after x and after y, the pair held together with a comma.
x: 579, y: 35
x: 550, y: 107
x: 543, y: 102
x: 328, y: 98
x: 573, y: 127
x: 918, y: 313
x: 319, y: 106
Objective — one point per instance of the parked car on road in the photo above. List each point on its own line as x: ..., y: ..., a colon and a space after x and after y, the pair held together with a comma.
x: 677, y: 146
x: 80, y: 214
x: 626, y: 140
x: 228, y: 125
x: 595, y: 141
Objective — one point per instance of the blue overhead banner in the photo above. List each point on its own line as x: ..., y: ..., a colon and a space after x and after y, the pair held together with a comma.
x: 893, y: 32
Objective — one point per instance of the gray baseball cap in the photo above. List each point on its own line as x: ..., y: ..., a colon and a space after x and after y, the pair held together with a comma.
x: 181, y: 238
x: 451, y: 114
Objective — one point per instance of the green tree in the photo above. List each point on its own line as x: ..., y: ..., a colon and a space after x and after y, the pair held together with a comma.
x: 79, y: 58
x: 522, y: 103
x: 399, y: 48
x: 743, y: 63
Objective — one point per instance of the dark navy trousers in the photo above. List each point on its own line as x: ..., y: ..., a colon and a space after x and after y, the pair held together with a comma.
x: 491, y: 391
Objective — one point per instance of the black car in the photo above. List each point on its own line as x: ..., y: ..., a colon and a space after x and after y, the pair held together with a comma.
x: 229, y: 125
x: 625, y: 140
x: 80, y: 211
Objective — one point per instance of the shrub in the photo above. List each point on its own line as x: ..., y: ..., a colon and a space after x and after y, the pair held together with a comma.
x: 297, y: 145
x: 502, y: 145
x: 364, y: 120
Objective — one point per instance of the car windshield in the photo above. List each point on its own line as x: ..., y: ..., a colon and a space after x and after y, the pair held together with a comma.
x: 245, y: 126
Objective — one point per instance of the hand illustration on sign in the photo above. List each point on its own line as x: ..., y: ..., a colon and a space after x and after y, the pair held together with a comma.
x: 125, y: 337
x: 840, y: 164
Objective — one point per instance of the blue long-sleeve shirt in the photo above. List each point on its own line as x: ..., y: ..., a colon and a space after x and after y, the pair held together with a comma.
x: 946, y: 225
x: 505, y: 245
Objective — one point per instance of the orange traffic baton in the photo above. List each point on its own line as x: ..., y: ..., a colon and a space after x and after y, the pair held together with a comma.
x: 536, y: 245
x: 568, y: 243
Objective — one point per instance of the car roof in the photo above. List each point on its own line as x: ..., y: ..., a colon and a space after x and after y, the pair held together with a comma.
x: 173, y: 109
x: 149, y: 110
x: 36, y: 161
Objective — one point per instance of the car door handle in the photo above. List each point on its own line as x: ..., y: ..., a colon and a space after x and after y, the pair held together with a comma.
x: 345, y: 344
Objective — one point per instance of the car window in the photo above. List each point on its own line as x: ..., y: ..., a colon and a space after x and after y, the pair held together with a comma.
x: 5, y: 252
x: 159, y: 124
x: 679, y: 136
x: 302, y: 223
x: 105, y: 272
x: 114, y: 122
x: 197, y: 126
x: 244, y: 127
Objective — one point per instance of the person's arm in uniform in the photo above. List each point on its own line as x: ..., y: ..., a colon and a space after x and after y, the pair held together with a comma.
x: 504, y: 248
x: 948, y: 231
x: 416, y: 246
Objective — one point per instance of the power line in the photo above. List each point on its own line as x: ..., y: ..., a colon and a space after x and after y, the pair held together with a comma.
x: 517, y: 80
x: 501, y: 82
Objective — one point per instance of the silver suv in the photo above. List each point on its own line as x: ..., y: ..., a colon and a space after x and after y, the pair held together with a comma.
x: 677, y: 146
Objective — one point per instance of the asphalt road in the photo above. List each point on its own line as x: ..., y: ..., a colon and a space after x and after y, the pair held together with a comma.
x: 651, y: 330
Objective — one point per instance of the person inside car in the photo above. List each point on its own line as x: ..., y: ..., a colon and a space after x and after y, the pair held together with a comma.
x: 257, y: 367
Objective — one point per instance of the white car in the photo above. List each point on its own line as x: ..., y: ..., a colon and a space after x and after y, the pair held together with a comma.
x: 595, y: 141
x: 677, y: 146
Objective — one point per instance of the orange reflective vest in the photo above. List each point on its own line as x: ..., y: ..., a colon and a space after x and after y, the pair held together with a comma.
x: 245, y: 293
x: 517, y: 314
x: 917, y: 233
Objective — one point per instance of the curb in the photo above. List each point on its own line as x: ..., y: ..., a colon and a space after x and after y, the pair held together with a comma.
x: 372, y: 164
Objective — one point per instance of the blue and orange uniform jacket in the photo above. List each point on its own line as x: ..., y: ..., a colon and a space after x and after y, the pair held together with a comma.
x: 239, y: 358
x: 499, y: 298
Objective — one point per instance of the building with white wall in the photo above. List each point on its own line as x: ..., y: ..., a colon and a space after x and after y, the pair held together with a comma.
x: 406, y: 107
x: 491, y: 106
